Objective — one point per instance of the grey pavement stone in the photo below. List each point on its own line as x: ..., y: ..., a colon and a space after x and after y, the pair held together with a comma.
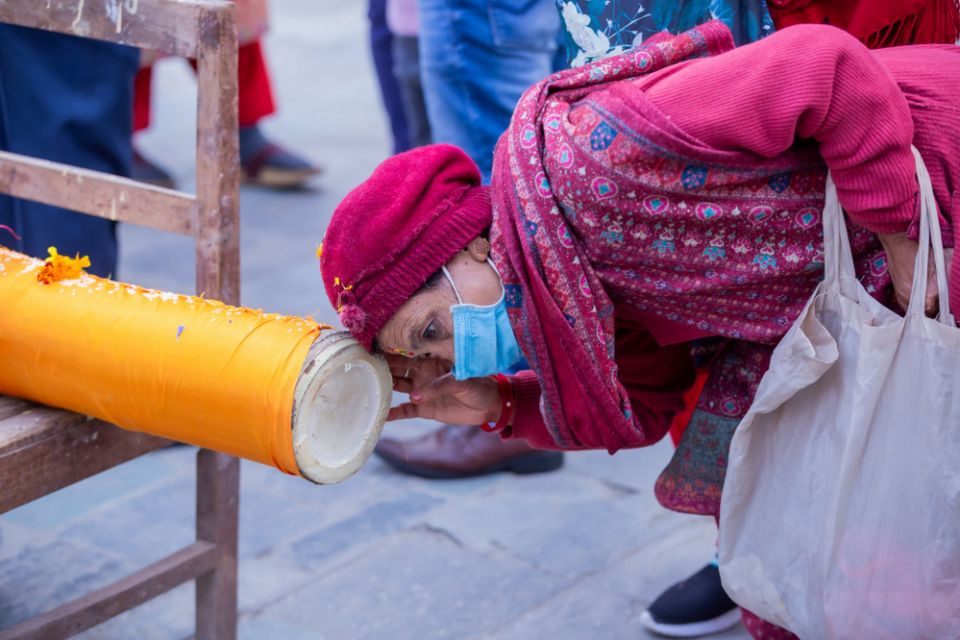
x: 148, y: 526
x: 46, y: 575
x: 167, y: 617
x: 646, y: 571
x: 563, y: 536
x: 609, y: 602
x: 629, y: 469
x: 583, y: 613
x: 376, y: 521
x: 269, y: 628
x: 93, y: 494
x: 265, y: 580
x: 415, y: 584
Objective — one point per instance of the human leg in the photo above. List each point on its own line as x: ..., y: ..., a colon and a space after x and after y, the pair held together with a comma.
x: 143, y: 169
x: 406, y: 68
x: 477, y: 58
x: 263, y: 162
x: 381, y: 45
x: 69, y: 100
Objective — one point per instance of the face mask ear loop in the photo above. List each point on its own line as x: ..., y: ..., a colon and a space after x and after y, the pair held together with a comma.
x: 446, y: 274
x: 503, y: 289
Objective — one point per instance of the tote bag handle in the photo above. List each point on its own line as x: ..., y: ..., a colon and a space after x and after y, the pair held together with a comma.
x: 930, y: 236
x: 839, y: 270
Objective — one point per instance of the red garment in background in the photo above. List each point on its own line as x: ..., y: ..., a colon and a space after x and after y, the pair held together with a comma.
x: 876, y: 23
x: 255, y: 97
x: 682, y: 419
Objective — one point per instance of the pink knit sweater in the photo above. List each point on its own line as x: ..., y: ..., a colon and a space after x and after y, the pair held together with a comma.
x: 803, y: 85
x: 810, y: 83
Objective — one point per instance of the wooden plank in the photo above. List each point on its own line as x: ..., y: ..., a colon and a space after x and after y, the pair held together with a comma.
x: 32, y: 425
x: 218, y: 501
x: 167, y: 25
x: 43, y: 450
x: 95, y: 607
x: 10, y: 407
x: 218, y: 160
x: 218, y: 275
x: 95, y: 193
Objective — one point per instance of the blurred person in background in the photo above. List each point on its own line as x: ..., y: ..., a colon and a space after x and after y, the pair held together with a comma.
x: 477, y: 58
x: 262, y: 161
x: 382, y: 50
x: 403, y: 20
x: 65, y: 99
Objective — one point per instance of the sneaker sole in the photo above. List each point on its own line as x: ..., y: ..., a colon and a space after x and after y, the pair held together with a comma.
x: 281, y: 178
x: 692, y: 629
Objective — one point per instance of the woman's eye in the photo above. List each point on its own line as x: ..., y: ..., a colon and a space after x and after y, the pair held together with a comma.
x: 431, y: 332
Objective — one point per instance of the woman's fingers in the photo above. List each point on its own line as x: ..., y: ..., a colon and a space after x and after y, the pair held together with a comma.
x: 931, y: 299
x: 932, y: 302
x: 901, y: 253
x: 444, y: 385
x: 403, y: 385
x: 395, y: 361
x: 404, y: 411
x: 901, y: 256
x: 402, y: 371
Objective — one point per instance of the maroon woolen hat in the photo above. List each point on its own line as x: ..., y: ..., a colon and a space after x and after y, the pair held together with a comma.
x: 395, y: 230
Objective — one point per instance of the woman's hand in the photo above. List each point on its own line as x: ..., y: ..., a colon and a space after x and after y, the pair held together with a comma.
x: 901, y: 257
x: 436, y: 395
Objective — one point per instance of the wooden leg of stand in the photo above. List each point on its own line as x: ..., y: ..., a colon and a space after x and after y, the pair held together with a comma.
x: 218, y: 499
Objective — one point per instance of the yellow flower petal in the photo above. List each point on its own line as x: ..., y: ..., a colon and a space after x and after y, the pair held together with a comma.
x: 59, y: 267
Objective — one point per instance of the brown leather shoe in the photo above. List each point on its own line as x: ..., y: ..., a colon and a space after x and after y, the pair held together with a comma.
x: 461, y: 452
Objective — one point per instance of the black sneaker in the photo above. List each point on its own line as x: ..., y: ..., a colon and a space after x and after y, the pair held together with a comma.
x: 694, y: 607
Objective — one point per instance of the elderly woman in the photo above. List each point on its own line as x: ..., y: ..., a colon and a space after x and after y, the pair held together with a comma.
x: 669, y: 195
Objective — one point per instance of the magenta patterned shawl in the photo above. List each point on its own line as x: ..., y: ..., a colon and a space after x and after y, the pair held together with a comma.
x: 599, y: 200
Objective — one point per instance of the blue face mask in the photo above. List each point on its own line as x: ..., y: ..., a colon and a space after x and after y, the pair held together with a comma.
x: 483, y: 340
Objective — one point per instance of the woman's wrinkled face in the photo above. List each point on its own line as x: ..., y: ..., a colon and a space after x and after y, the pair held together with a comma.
x: 423, y: 326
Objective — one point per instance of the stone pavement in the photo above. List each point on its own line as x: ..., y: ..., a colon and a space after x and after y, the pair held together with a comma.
x: 575, y: 554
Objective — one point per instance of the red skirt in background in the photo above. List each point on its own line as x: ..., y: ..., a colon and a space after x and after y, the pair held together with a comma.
x: 254, y: 100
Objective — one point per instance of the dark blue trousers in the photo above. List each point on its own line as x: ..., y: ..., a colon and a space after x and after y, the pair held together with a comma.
x: 70, y: 100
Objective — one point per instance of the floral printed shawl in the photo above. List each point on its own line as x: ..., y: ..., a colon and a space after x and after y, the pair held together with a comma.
x: 598, y: 199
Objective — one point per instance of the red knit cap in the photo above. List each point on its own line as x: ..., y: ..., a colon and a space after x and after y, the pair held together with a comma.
x: 394, y: 231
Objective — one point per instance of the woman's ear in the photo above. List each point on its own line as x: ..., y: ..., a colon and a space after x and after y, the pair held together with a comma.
x: 479, y: 249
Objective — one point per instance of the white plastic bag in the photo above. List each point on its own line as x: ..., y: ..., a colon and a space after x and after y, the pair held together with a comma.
x: 840, y: 515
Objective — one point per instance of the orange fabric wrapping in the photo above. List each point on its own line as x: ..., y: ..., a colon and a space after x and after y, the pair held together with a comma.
x: 180, y: 367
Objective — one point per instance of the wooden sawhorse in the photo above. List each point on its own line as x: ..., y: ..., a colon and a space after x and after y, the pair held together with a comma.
x: 44, y: 449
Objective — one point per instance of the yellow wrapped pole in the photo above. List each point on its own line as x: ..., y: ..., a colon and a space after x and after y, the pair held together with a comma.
x: 275, y: 389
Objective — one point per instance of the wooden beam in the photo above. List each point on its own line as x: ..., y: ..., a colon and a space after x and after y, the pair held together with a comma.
x: 218, y: 503
x: 169, y: 26
x: 95, y: 607
x: 95, y: 193
x: 10, y: 407
x: 218, y: 160
x: 44, y: 449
